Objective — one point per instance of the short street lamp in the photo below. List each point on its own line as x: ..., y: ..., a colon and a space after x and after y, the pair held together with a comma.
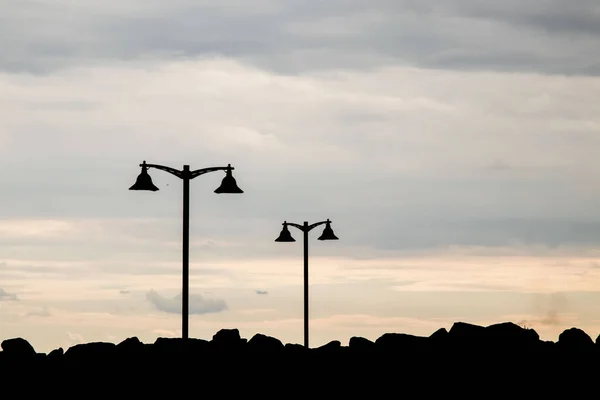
x: 286, y: 236
x: 228, y: 185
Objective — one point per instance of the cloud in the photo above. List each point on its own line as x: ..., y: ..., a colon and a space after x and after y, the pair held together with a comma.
x: 75, y: 338
x: 123, y: 291
x: 552, y: 318
x: 298, y: 36
x: 367, y: 121
x: 197, y: 304
x: 262, y: 292
x: 499, y: 165
x: 43, y: 312
x: 166, y: 333
x: 5, y: 296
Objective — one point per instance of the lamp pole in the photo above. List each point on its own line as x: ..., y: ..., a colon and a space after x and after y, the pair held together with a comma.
x: 185, y: 255
x: 305, y: 235
x: 285, y: 236
x: 228, y: 185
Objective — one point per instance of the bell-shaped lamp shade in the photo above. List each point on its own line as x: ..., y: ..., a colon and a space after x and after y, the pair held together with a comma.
x: 285, y: 235
x: 328, y: 233
x: 228, y: 185
x: 144, y: 181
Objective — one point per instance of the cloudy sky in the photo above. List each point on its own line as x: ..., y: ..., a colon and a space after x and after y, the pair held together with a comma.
x: 453, y: 144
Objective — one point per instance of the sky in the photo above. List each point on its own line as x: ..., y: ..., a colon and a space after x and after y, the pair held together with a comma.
x: 452, y: 144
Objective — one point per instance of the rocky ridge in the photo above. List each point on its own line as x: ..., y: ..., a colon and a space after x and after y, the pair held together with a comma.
x: 503, y: 349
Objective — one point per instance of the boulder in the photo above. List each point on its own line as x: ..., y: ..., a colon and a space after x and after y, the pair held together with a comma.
x: 263, y: 343
x: 91, y: 351
x: 508, y: 336
x: 394, y: 342
x: 17, y: 347
x: 56, y: 353
x: 361, y: 343
x: 575, y: 339
x: 328, y: 348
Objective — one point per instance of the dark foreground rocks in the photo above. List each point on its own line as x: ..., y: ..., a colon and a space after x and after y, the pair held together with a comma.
x: 465, y: 356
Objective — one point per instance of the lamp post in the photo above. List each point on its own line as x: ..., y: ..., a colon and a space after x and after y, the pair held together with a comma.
x: 286, y: 236
x: 228, y: 185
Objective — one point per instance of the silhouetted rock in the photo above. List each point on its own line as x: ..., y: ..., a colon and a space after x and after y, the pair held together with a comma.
x: 132, y: 343
x: 575, y: 339
x: 176, y: 347
x: 56, y: 353
x: 91, y: 351
x: 394, y: 342
x: 360, y: 343
x: 462, y: 331
x: 500, y: 351
x: 507, y: 330
x: 508, y: 336
x: 260, y: 342
x: 227, y: 336
x: 439, y: 338
x: 294, y: 348
x: 334, y: 345
x: 330, y: 351
x: 17, y: 347
x: 440, y: 334
x: 169, y: 343
x: 546, y: 345
x: 227, y: 340
x: 131, y: 348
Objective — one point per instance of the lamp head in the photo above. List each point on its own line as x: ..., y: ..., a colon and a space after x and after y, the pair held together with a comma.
x: 328, y: 232
x: 285, y: 235
x: 228, y: 185
x: 144, y: 181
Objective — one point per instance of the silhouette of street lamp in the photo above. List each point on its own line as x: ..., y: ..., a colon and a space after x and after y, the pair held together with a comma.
x: 228, y: 185
x: 286, y: 236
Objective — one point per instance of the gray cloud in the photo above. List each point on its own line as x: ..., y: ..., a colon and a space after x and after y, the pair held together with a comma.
x: 578, y: 17
x: 44, y: 312
x: 397, y: 158
x: 482, y: 232
x: 65, y: 268
x: 262, y: 292
x: 314, y: 105
x: 197, y: 303
x: 5, y: 296
x: 499, y: 165
x: 553, y: 308
x: 297, y: 36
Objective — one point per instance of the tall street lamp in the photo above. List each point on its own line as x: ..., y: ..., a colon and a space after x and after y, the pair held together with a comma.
x: 286, y: 236
x: 228, y: 185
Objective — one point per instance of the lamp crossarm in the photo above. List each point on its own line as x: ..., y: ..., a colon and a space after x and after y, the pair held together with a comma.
x: 312, y: 226
x: 192, y: 174
x: 170, y: 170
x: 301, y: 227
x: 309, y: 227
x: 203, y: 171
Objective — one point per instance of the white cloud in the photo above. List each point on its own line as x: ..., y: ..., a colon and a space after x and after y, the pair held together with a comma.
x: 42, y: 312
x: 414, y: 138
x: 5, y: 296
x: 197, y: 303
x: 75, y: 338
x: 166, y: 333
x: 31, y: 229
